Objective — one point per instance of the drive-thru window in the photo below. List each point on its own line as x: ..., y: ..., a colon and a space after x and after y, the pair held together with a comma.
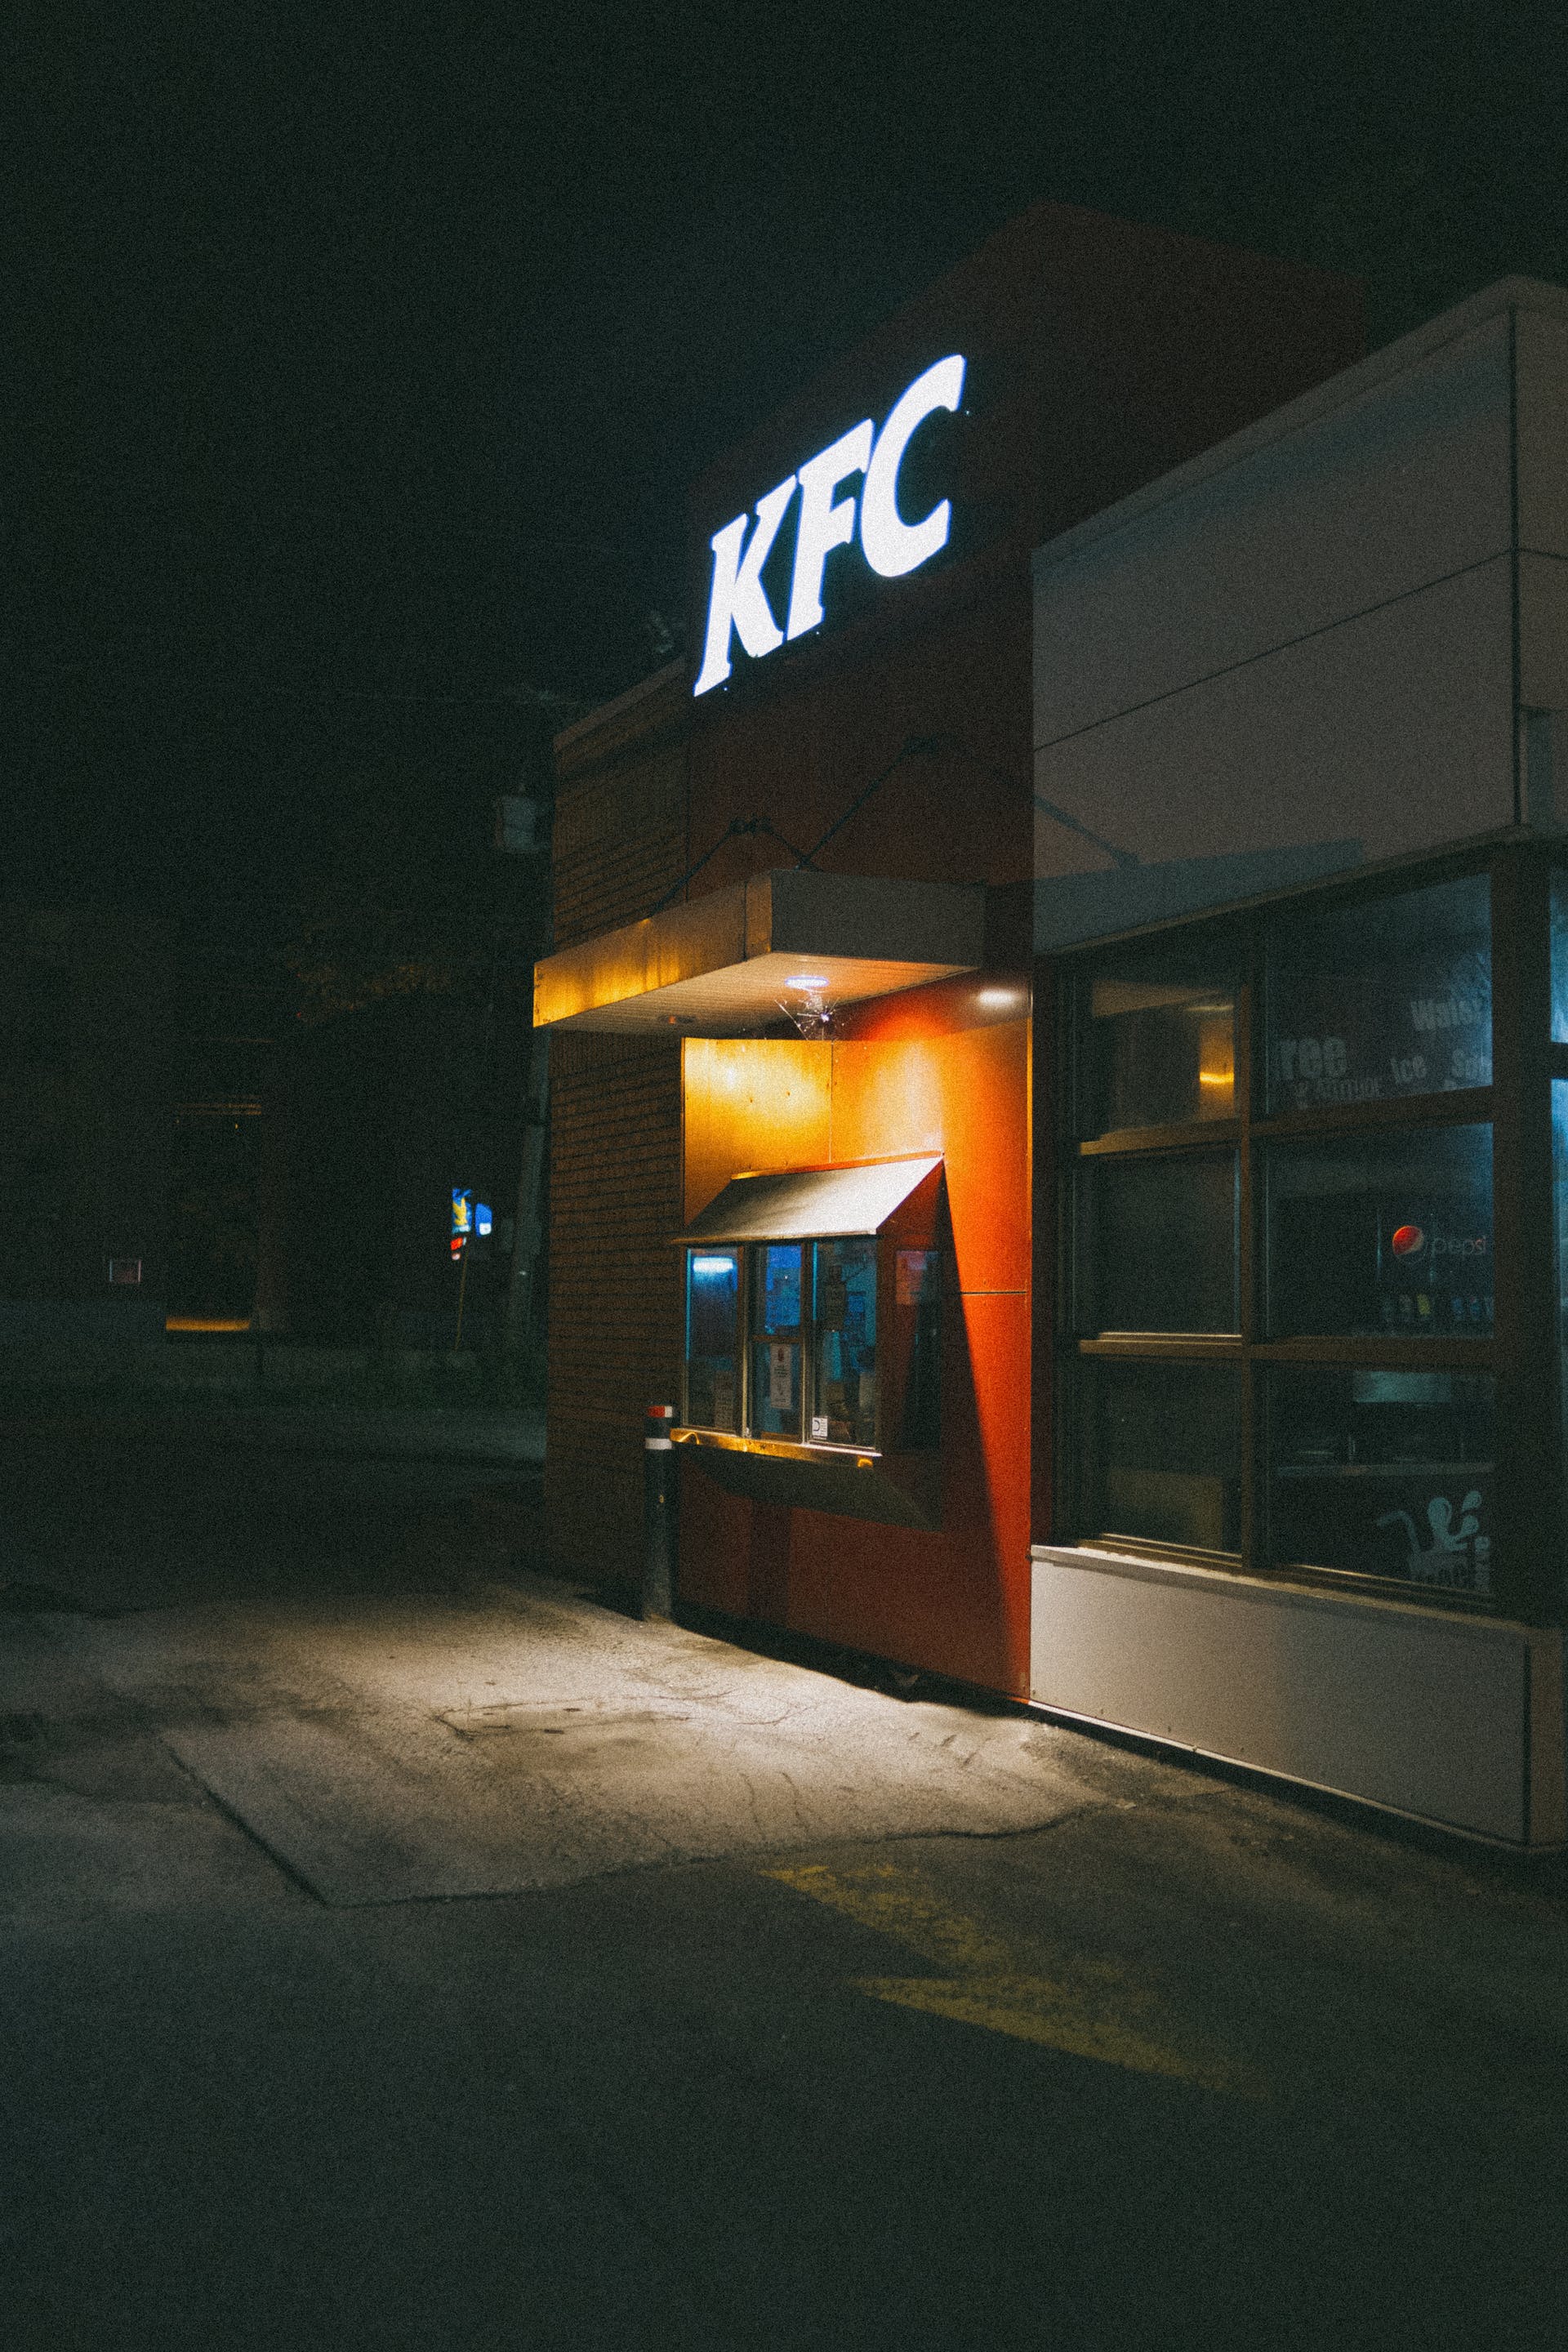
x: 814, y: 1337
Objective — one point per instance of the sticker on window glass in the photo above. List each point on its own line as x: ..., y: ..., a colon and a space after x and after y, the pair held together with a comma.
x: 915, y: 1277
x: 819, y: 1424
x: 781, y: 1366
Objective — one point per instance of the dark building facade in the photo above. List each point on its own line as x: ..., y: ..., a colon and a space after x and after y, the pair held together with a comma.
x: 85, y: 1139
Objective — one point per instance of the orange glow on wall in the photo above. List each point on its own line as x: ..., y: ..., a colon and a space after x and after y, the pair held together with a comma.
x: 750, y: 1102
x: 956, y: 1600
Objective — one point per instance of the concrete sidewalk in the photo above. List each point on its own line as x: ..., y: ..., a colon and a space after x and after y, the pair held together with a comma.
x: 521, y: 1737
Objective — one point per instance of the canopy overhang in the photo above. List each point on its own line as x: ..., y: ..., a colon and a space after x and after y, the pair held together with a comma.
x: 731, y: 963
x: 814, y: 1203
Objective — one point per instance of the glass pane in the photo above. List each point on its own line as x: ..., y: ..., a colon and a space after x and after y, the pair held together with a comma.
x: 713, y: 1339
x: 1560, y: 956
x: 844, y: 1344
x: 1389, y: 997
x: 775, y: 1340
x: 1388, y: 1474
x: 1160, y: 1244
x: 1165, y: 1453
x: 1160, y: 1048
x: 1387, y: 1234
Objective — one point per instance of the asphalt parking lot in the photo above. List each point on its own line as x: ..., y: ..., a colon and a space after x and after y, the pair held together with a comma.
x: 405, y: 1947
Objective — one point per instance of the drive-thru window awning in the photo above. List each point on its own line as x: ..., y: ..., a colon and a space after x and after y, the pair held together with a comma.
x: 731, y: 963
x: 811, y: 1203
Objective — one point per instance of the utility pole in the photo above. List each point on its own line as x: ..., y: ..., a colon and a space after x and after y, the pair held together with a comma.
x: 528, y: 1233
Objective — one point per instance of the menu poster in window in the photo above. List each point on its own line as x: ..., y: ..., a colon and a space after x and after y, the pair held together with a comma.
x: 1417, y: 1025
x: 781, y: 1368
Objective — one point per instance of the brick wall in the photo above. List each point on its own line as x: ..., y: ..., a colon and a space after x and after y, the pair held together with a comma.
x: 615, y: 1143
x: 614, y: 1295
x: 618, y: 843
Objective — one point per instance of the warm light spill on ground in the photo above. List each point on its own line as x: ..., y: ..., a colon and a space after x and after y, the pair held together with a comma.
x: 206, y: 1323
x: 1090, y: 2008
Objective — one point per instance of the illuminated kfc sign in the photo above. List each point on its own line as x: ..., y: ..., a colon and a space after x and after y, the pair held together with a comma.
x: 737, y: 600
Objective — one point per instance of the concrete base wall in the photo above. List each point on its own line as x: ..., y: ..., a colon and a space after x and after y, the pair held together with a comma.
x: 1453, y: 1719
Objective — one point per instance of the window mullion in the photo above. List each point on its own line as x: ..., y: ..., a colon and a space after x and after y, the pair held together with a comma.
x: 1249, y: 1256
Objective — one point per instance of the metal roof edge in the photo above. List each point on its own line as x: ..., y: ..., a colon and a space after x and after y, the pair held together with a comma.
x: 1368, y: 873
x: 1505, y: 294
x: 603, y: 712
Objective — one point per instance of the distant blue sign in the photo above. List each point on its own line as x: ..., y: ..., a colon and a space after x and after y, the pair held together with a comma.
x: 481, y: 1219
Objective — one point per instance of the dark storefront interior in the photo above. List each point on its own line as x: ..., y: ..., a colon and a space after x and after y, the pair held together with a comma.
x: 1300, y: 1137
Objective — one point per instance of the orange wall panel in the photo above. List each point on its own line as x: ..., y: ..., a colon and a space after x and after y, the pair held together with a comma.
x: 752, y: 1102
x: 715, y: 1544
x: 955, y: 1599
x: 964, y: 1095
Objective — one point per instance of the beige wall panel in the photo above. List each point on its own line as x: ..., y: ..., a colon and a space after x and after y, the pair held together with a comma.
x: 1394, y: 729
x: 1543, y: 632
x: 1543, y: 433
x: 1403, y: 1707
x: 1400, y: 486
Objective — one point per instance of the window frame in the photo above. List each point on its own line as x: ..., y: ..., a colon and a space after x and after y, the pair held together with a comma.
x: 1523, y: 1353
x: 886, y: 1245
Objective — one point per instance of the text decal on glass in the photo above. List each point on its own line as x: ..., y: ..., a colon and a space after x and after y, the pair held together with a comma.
x: 737, y: 601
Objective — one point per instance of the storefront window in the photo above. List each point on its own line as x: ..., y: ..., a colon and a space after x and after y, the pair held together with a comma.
x: 713, y: 1338
x: 1322, y: 1275
x: 1384, y: 1472
x: 1382, y: 999
x: 1388, y: 1234
x: 1161, y: 1048
x: 1165, y: 1453
x: 844, y: 1369
x: 1160, y: 1245
x: 776, y: 1338
x: 1559, y: 955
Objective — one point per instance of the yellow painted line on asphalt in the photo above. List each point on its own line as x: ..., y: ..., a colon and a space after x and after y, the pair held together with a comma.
x: 1087, y: 2008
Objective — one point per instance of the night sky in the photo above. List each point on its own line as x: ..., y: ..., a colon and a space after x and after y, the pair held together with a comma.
x: 362, y: 354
